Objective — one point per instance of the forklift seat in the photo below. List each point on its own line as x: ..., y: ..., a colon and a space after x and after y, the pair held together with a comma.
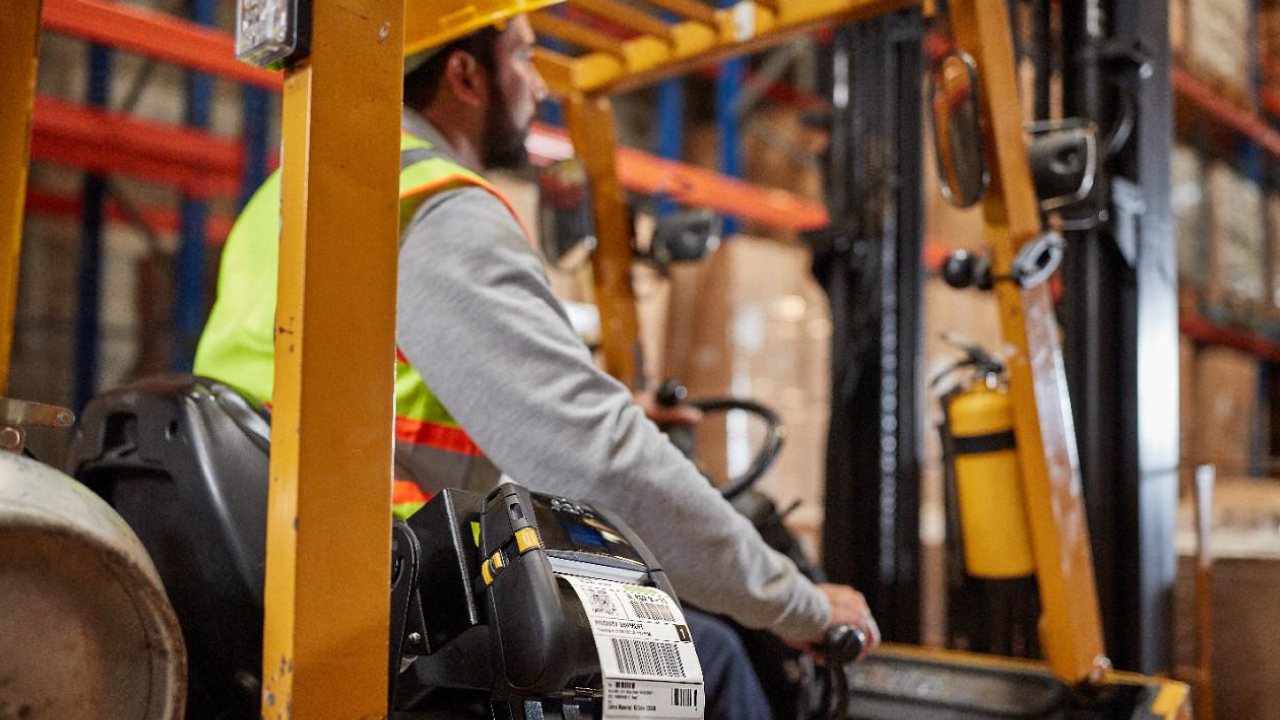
x: 184, y: 460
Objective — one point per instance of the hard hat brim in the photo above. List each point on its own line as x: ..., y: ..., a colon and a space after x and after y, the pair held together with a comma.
x: 426, y: 26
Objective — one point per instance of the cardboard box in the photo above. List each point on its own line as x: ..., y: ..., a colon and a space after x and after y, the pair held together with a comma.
x: 1190, y: 216
x: 1245, y: 546
x: 1219, y: 45
x: 1269, y: 39
x: 777, y: 151
x: 1237, y: 241
x: 1187, y: 424
x: 1226, y: 397
x: 750, y: 322
x: 1273, y: 254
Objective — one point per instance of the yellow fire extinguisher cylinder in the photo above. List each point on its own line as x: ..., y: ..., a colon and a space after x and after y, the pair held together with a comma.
x: 993, y: 518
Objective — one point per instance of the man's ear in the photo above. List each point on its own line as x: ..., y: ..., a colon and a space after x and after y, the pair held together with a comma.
x: 465, y: 77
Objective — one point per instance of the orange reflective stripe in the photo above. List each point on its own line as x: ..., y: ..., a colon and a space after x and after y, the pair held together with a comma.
x: 407, y: 491
x: 435, y: 435
x: 461, y: 179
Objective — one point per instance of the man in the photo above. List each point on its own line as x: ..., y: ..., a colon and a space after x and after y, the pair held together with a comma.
x: 480, y: 333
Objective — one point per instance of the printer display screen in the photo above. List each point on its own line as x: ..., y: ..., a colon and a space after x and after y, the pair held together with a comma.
x: 571, y: 529
x: 584, y: 535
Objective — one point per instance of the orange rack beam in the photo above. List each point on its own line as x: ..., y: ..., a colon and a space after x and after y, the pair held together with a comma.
x: 155, y: 34
x: 158, y: 219
x: 1270, y: 101
x: 1204, y: 331
x: 690, y: 185
x: 202, y: 164
x: 1250, y: 124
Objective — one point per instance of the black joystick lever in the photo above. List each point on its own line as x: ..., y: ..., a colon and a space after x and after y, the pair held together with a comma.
x: 841, y: 645
x: 671, y: 393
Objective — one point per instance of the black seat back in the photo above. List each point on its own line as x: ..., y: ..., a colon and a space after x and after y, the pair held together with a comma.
x: 184, y: 460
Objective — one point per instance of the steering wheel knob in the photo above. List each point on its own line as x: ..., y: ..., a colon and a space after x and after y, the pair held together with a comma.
x: 842, y: 644
x: 671, y: 393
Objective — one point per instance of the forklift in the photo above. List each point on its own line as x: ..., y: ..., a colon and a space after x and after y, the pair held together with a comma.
x: 329, y: 556
x: 983, y: 156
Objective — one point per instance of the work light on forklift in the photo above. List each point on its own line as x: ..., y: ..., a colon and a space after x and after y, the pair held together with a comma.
x: 269, y: 32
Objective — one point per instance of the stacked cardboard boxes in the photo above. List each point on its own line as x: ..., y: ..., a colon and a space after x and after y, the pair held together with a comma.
x: 1190, y: 217
x: 1273, y: 238
x: 1238, y: 248
x: 1269, y: 41
x: 750, y: 322
x: 1221, y: 417
x: 1214, y: 39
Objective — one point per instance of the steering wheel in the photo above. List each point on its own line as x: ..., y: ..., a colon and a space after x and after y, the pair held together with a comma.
x: 671, y: 393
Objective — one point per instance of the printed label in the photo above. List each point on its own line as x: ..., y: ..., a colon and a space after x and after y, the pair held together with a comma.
x: 650, y: 699
x: 646, y: 653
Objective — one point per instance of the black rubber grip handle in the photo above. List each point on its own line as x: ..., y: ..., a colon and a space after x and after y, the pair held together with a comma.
x: 842, y: 644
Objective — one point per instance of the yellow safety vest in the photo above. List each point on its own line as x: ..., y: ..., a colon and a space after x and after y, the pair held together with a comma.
x: 238, y: 343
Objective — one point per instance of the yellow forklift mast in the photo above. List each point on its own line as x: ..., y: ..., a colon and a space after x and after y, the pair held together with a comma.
x: 327, y: 615
x: 1070, y: 625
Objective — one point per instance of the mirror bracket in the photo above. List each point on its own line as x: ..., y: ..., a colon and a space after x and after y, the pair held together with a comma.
x: 1035, y: 262
x: 1064, y: 157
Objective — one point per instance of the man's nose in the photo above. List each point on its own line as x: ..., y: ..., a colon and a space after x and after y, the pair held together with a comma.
x: 539, y: 86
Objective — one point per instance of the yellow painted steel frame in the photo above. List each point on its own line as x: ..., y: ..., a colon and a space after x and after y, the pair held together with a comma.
x: 1169, y: 703
x: 703, y: 37
x: 19, y: 51
x: 329, y: 505
x: 1070, y: 625
x: 591, y: 129
x: 585, y: 84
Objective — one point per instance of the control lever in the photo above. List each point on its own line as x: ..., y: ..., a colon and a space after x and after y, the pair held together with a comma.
x: 841, y: 645
x: 670, y: 394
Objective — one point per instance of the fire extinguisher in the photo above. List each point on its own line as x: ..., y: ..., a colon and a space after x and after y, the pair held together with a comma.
x: 995, y: 569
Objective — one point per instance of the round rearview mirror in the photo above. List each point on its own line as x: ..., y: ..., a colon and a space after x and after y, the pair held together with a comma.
x: 957, y: 131
x: 565, y: 223
x: 685, y: 236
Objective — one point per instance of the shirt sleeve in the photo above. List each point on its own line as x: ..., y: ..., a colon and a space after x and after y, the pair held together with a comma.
x: 477, y: 318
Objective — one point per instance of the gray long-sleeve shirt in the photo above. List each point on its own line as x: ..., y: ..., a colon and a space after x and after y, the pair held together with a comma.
x: 477, y: 318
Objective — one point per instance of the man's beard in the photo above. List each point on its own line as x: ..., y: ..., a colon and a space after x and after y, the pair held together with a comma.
x: 503, y: 141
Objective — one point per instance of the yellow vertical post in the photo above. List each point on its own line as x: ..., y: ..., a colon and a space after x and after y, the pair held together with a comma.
x: 19, y: 50
x: 591, y: 127
x: 1070, y: 623
x: 329, y: 506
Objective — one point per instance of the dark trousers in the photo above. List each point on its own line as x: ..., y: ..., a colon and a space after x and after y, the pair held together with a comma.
x: 733, y: 689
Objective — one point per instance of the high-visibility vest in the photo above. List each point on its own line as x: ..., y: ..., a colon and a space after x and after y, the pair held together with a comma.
x: 238, y: 343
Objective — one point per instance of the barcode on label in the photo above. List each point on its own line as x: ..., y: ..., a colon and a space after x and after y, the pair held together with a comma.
x: 684, y: 697
x: 647, y: 610
x: 601, y: 603
x: 643, y: 657
x: 624, y: 684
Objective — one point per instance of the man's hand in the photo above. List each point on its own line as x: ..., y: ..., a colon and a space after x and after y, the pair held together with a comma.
x: 848, y: 606
x: 666, y: 415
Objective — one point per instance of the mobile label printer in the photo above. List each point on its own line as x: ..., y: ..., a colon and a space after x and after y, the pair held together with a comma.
x: 553, y: 606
